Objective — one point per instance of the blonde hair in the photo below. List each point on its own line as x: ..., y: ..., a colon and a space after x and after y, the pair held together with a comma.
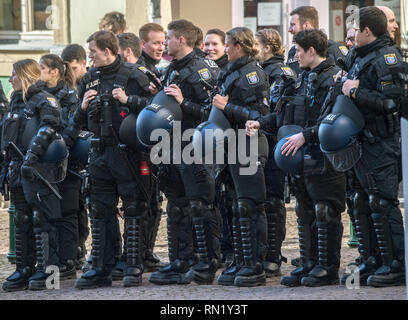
x: 245, y: 38
x: 29, y: 72
x: 272, y: 38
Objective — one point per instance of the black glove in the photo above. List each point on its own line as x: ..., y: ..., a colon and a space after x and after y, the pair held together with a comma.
x: 27, y: 170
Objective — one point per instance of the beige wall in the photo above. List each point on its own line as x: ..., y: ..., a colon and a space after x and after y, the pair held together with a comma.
x: 137, y: 14
x: 7, y: 58
x: 205, y: 14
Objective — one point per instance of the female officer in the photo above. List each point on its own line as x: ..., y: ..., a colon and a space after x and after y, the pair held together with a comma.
x: 214, y: 47
x: 59, y: 80
x: 31, y: 124
x: 272, y: 59
x: 244, y: 95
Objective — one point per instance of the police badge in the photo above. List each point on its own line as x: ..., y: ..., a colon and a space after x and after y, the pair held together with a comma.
x: 252, y: 78
x: 52, y: 102
x: 204, y: 74
x: 390, y: 59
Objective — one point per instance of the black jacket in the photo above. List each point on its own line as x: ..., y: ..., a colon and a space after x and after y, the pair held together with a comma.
x: 187, y: 73
x: 149, y: 63
x: 305, y: 109
x: 222, y: 62
x: 246, y: 84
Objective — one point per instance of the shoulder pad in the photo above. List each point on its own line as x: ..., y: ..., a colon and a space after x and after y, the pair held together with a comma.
x: 211, y: 63
x: 390, y: 59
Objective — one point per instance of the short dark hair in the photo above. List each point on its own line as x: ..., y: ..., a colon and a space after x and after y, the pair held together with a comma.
x: 113, y: 21
x: 147, y: 28
x: 374, y: 19
x: 105, y: 40
x: 132, y: 41
x: 218, y: 32
x: 73, y: 52
x: 313, y: 38
x: 307, y: 13
x: 200, y: 37
x: 186, y: 29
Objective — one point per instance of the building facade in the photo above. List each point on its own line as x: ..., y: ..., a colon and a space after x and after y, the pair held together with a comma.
x: 32, y: 28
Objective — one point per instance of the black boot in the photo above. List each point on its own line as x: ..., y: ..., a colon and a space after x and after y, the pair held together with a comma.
x: 206, y: 223
x: 132, y: 275
x: 180, y: 250
x: 307, y: 264
x: 274, y: 208
x: 392, y: 272
x: 67, y: 270
x: 227, y: 277
x: 254, y: 245
x: 25, y: 259
x: 98, y: 275
x: 367, y: 244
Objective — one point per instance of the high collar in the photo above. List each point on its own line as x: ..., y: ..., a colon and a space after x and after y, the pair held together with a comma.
x: 113, y: 67
x: 239, y: 63
x: 380, y: 42
x: 56, y: 89
x: 200, y: 52
x: 148, y: 59
x: 273, y: 60
x: 33, y: 90
x: 222, y: 62
x: 180, y: 64
x: 324, y: 65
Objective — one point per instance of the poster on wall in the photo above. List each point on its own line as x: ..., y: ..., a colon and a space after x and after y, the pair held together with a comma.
x: 269, y: 14
x: 394, y: 5
x: 250, y: 23
x: 337, y: 32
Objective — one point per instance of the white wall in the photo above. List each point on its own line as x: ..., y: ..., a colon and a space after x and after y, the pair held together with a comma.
x: 85, y: 16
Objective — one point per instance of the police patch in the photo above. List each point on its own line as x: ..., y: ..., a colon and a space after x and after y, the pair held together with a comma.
x: 52, y: 102
x: 252, y: 78
x: 143, y: 69
x: 344, y: 50
x: 288, y: 71
x: 390, y: 58
x: 204, y: 74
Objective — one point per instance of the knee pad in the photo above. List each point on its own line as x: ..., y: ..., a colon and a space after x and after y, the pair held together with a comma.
x: 360, y: 202
x: 135, y: 208
x: 273, y: 205
x: 198, y: 208
x: 39, y: 219
x: 379, y: 205
x: 325, y: 213
x: 21, y: 219
x: 246, y: 208
x: 305, y: 216
x: 174, y: 211
x: 99, y: 212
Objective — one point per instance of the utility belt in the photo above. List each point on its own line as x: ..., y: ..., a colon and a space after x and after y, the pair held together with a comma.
x: 381, y: 127
x: 314, y: 160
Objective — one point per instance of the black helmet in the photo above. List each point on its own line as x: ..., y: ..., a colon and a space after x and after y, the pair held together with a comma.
x: 80, y: 150
x: 290, y: 164
x: 337, y: 134
x: 212, y: 129
x: 52, y: 165
x: 128, y: 135
x: 161, y: 114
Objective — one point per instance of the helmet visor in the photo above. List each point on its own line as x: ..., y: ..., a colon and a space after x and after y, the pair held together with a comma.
x: 345, y: 159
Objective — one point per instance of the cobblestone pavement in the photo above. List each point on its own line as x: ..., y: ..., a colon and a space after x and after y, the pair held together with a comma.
x: 272, y: 291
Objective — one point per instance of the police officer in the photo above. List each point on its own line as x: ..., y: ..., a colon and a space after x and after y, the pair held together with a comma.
x: 214, y: 46
x: 130, y: 50
x: 374, y: 84
x: 306, y: 18
x: 32, y: 124
x: 319, y: 190
x: 244, y: 95
x: 58, y: 80
x: 272, y: 59
x: 75, y: 56
x: 110, y: 92
x: 153, y: 39
x: 189, y: 188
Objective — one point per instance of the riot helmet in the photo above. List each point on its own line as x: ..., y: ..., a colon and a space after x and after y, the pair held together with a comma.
x: 80, y: 150
x: 290, y: 164
x: 128, y: 134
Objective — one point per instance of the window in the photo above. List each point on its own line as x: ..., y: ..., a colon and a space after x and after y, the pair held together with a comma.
x: 262, y: 14
x: 25, y: 20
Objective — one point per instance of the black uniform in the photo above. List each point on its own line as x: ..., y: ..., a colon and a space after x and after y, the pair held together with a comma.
x: 248, y: 88
x: 334, y: 50
x: 190, y: 189
x: 110, y: 174
x: 377, y: 215
x: 274, y: 177
x: 151, y: 261
x: 68, y: 236
x: 37, y: 208
x: 320, y: 192
x: 222, y: 62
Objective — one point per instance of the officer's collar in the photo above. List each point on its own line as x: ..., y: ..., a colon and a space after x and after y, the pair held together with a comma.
x: 273, y: 60
x: 200, y: 52
x: 180, y: 64
x: 239, y: 63
x: 324, y: 65
x: 113, y: 67
x: 222, y: 62
x: 60, y: 85
x: 380, y: 42
x: 33, y: 90
x: 148, y: 59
